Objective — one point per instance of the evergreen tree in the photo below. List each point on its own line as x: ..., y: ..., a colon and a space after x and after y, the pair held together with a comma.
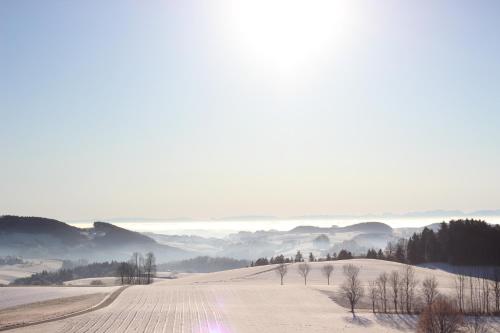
x: 400, y: 253
x: 298, y: 257
x: 343, y: 254
x: 371, y: 254
x: 279, y: 259
x: 461, y: 242
x: 261, y: 262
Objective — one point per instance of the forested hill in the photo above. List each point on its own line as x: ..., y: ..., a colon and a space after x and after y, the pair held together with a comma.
x: 111, y: 234
x: 459, y: 242
x: 10, y: 224
x: 365, y: 227
x: 37, y: 237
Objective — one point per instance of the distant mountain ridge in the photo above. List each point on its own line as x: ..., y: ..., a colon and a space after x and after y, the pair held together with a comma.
x: 367, y: 227
x: 49, y: 238
x: 437, y: 213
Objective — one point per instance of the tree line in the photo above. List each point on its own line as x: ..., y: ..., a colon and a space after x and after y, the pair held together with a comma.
x: 204, y: 264
x: 475, y: 298
x: 395, y: 251
x: 138, y: 269
x: 459, y: 242
x: 299, y: 257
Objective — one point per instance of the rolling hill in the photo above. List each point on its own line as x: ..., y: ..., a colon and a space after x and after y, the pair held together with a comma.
x: 48, y: 238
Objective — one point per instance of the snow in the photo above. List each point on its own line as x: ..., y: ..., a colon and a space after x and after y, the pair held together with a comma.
x: 243, y: 300
x: 9, y: 273
x: 14, y: 296
x: 104, y: 281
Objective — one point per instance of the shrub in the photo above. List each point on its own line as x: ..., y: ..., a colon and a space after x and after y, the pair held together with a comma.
x: 441, y: 316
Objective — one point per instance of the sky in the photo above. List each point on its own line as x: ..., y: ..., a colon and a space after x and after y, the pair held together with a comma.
x: 207, y: 109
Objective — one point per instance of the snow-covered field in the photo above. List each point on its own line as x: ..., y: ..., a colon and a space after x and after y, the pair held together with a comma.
x: 14, y: 296
x: 242, y: 300
x: 9, y: 273
x: 102, y: 281
x: 111, y: 281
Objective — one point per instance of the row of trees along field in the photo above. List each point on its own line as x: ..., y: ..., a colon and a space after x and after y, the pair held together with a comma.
x: 475, y: 298
x: 304, y: 268
x: 393, y: 252
x: 395, y: 292
x: 399, y: 292
x: 138, y: 269
x: 280, y: 259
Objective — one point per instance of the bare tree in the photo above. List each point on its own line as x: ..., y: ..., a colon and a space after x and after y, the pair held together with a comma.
x: 122, y: 271
x: 282, y: 270
x: 441, y: 317
x: 129, y: 273
x: 382, y: 290
x: 389, y: 250
x: 141, y: 274
x: 473, y: 297
x: 304, y: 268
x: 429, y: 290
x: 485, y: 287
x: 409, y: 285
x: 150, y: 267
x: 373, y: 292
x: 352, y: 289
x: 495, y: 286
x: 394, y: 282
x: 460, y: 291
x: 402, y: 295
x: 136, y: 262
x: 327, y: 270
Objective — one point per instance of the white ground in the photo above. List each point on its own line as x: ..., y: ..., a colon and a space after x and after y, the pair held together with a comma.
x: 244, y: 300
x: 13, y: 296
x: 9, y: 273
x: 105, y: 281
x: 111, y: 280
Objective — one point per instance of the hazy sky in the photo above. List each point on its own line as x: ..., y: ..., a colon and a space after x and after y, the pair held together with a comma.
x: 212, y: 108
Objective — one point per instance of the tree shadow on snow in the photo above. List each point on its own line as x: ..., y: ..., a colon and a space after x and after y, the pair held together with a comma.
x: 397, y: 321
x: 336, y: 297
x: 474, y: 271
x: 357, y: 320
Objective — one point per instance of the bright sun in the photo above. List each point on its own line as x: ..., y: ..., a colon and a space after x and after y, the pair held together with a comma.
x: 286, y: 34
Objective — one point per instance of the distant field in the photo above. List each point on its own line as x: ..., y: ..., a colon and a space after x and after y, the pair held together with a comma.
x: 9, y: 273
x: 110, y: 280
x: 104, y: 281
x: 14, y: 296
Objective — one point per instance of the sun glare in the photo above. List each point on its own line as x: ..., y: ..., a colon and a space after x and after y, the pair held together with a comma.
x: 287, y: 34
